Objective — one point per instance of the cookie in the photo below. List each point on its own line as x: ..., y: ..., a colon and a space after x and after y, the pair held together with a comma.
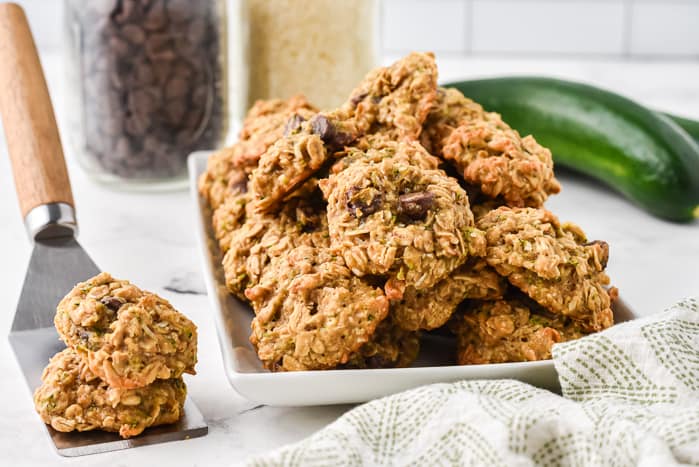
x: 410, y: 225
x: 72, y: 398
x: 128, y: 337
x: 231, y: 214
x: 509, y: 330
x: 376, y: 148
x: 301, y: 221
x: 267, y: 121
x: 264, y: 124
x: 451, y: 107
x: 495, y: 158
x: 552, y: 263
x: 286, y: 165
x: 432, y: 308
x: 394, y: 100
x: 489, y: 154
x: 311, y: 312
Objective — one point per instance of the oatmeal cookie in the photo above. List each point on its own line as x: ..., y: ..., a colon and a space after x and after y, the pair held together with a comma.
x: 72, y: 398
x: 301, y: 221
x: 488, y: 153
x: 551, y: 262
x: 312, y: 313
x: 509, y: 330
x: 450, y: 109
x: 394, y: 101
x: 389, y: 347
x: 431, y: 308
x: 396, y: 220
x: 286, y: 165
x: 376, y: 148
x: 128, y: 337
x: 264, y: 124
x: 221, y: 180
x: 495, y: 158
x: 230, y: 215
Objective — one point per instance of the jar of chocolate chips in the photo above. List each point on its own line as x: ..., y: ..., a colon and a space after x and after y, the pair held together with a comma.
x: 147, y: 86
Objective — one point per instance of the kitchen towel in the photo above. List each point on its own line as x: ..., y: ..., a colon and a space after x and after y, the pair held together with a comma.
x: 630, y: 397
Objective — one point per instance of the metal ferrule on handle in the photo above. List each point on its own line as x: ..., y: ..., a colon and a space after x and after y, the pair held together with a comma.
x: 51, y: 220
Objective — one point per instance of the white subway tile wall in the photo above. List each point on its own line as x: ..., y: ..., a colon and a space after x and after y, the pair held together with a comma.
x: 614, y: 28
x: 425, y: 25
x: 667, y: 28
x: 644, y: 28
x: 547, y: 26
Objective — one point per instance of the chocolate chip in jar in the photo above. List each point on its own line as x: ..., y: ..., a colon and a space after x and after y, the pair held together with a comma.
x: 148, y: 87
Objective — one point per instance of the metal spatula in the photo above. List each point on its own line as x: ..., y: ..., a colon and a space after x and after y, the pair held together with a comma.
x: 58, y: 262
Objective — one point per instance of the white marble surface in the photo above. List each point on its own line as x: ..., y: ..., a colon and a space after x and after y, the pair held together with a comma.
x: 149, y: 238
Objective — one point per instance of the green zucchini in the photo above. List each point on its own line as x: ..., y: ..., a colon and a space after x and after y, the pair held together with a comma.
x: 690, y: 126
x: 642, y: 154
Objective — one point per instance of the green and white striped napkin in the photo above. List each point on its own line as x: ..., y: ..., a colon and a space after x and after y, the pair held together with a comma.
x: 630, y: 397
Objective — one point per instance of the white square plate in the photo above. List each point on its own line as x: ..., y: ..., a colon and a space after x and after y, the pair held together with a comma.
x: 232, y: 317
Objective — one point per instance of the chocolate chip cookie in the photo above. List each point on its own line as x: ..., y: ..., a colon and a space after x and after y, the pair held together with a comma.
x: 264, y: 124
x: 72, y: 398
x: 311, y: 312
x: 127, y: 336
x: 231, y: 214
x: 261, y: 237
x: 376, y: 148
x: 488, y: 153
x: 509, y: 330
x: 551, y: 262
x: 395, y: 220
x: 451, y: 108
x: 288, y: 163
x: 394, y: 100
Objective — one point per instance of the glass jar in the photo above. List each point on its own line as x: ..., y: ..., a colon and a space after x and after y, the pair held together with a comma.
x: 321, y: 48
x: 146, y: 86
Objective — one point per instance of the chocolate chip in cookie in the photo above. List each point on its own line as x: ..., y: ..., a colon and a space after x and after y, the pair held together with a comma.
x: 293, y: 124
x: 113, y: 303
x: 414, y: 206
x: 363, y: 202
x: 323, y: 127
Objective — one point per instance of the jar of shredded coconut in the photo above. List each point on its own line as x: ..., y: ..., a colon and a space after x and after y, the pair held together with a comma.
x: 321, y: 48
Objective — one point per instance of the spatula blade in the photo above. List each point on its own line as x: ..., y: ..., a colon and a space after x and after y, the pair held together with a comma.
x: 56, y: 265
x: 191, y: 425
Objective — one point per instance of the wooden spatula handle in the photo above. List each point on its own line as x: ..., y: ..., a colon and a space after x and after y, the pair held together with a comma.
x: 33, y: 141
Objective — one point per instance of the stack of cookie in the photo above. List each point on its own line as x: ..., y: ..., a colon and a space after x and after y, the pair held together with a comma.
x: 122, y: 370
x: 407, y: 209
